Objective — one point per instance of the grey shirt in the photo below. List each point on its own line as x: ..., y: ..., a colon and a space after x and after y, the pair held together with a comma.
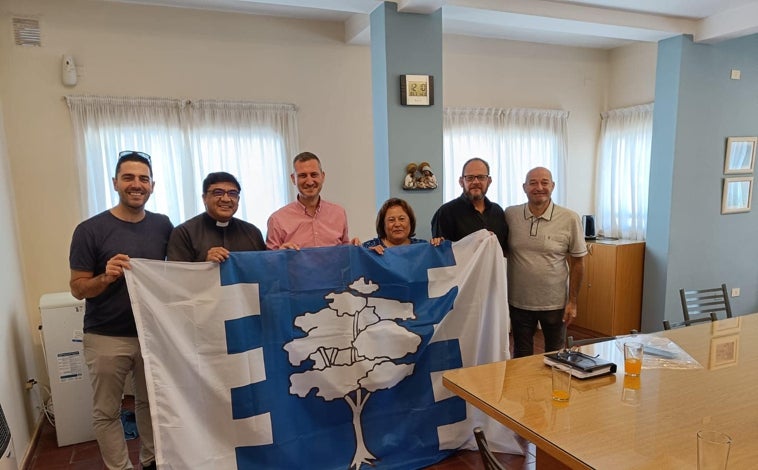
x: 537, y: 249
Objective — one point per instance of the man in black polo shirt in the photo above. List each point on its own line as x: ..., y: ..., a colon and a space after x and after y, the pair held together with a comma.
x: 471, y: 211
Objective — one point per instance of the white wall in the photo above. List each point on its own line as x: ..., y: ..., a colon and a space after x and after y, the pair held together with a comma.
x: 490, y: 72
x: 17, y: 364
x: 134, y: 50
x: 632, y: 75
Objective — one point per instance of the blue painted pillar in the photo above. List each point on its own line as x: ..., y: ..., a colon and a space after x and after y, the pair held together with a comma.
x: 406, y: 44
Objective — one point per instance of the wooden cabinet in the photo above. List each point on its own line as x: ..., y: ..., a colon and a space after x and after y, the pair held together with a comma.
x: 610, y: 299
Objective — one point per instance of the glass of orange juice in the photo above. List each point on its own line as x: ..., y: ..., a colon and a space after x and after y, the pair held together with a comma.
x: 633, y: 358
x: 561, y: 384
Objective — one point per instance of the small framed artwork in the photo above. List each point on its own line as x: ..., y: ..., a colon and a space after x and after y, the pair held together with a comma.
x: 724, y: 351
x: 727, y: 326
x: 740, y: 155
x: 737, y: 195
x: 416, y: 90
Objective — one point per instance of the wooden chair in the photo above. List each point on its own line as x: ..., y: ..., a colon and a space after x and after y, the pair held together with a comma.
x: 703, y: 302
x: 488, y: 458
x: 668, y: 326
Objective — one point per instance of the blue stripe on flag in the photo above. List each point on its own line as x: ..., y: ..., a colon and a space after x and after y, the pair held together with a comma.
x: 243, y: 334
x: 250, y: 400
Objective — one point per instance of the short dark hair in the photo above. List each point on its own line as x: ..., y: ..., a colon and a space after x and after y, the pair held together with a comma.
x: 475, y: 159
x: 134, y: 156
x: 304, y: 157
x: 219, y: 177
x: 392, y: 202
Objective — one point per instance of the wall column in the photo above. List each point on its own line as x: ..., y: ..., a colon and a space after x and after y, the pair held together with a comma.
x: 406, y: 44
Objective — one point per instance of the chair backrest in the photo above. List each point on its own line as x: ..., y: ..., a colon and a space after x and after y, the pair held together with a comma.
x: 703, y: 302
x: 668, y: 326
x: 488, y: 458
x: 570, y: 342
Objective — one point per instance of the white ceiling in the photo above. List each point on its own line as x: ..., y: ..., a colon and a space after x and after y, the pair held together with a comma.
x: 588, y: 23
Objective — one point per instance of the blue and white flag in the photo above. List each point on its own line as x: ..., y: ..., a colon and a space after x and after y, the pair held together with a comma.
x: 324, y: 358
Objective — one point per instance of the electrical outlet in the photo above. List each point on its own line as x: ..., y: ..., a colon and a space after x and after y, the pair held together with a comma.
x: 735, y: 291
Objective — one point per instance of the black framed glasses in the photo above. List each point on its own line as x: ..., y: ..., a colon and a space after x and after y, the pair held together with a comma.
x: 218, y: 193
x: 471, y: 178
x: 132, y: 153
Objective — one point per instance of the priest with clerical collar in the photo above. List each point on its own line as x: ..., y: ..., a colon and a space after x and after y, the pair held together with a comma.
x: 215, y: 233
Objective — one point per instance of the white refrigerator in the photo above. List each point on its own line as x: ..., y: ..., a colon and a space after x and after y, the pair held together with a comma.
x: 62, y: 325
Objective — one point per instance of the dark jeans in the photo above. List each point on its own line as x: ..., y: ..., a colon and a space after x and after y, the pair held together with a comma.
x: 524, y: 326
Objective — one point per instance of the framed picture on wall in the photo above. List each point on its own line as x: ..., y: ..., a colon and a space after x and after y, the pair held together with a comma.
x: 737, y: 195
x: 740, y: 155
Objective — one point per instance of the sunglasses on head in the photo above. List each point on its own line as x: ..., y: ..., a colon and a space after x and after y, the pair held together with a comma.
x: 131, y: 153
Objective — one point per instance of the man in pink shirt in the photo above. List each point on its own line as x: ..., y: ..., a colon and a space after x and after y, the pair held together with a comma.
x: 309, y: 221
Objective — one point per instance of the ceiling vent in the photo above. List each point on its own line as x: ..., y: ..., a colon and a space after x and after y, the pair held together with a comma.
x: 26, y: 32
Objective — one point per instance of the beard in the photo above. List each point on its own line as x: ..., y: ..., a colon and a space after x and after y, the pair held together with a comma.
x: 474, y: 197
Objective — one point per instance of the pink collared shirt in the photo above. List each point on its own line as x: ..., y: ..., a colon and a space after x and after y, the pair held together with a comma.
x: 291, y: 223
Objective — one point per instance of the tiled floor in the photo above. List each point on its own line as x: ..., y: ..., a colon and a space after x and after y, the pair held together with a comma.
x: 86, y: 456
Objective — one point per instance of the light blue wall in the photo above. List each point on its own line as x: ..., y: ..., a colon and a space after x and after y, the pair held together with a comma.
x: 689, y: 243
x: 401, y: 44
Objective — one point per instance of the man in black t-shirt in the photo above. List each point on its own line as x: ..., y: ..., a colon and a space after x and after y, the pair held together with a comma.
x: 471, y: 211
x: 101, y: 248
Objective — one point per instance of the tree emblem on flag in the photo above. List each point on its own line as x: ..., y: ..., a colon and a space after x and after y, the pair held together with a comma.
x: 352, y: 344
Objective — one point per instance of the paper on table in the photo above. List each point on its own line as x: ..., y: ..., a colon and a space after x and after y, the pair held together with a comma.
x: 660, y: 352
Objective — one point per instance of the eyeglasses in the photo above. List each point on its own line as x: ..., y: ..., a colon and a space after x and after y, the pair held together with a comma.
x: 131, y: 153
x: 219, y: 193
x: 471, y: 178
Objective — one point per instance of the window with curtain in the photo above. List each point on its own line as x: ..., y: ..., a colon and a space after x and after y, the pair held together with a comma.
x: 512, y: 141
x: 623, y: 172
x: 187, y: 140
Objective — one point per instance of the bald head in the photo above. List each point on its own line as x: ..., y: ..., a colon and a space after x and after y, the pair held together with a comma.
x: 539, y: 172
x: 539, y: 186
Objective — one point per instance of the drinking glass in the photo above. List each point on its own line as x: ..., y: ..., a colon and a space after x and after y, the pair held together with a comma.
x: 712, y: 450
x: 561, y: 384
x: 633, y: 358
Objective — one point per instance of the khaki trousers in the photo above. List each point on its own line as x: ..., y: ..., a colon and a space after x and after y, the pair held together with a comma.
x: 109, y: 360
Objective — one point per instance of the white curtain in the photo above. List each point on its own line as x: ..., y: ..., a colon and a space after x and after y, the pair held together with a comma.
x: 512, y: 141
x: 623, y: 172
x: 186, y: 140
x: 255, y: 142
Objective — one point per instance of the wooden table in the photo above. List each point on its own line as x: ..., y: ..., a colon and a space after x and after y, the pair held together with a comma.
x: 596, y: 429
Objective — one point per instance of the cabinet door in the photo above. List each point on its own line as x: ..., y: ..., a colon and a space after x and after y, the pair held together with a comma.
x: 583, y: 301
x: 630, y: 265
x: 596, y: 295
x: 602, y: 288
x: 610, y: 298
